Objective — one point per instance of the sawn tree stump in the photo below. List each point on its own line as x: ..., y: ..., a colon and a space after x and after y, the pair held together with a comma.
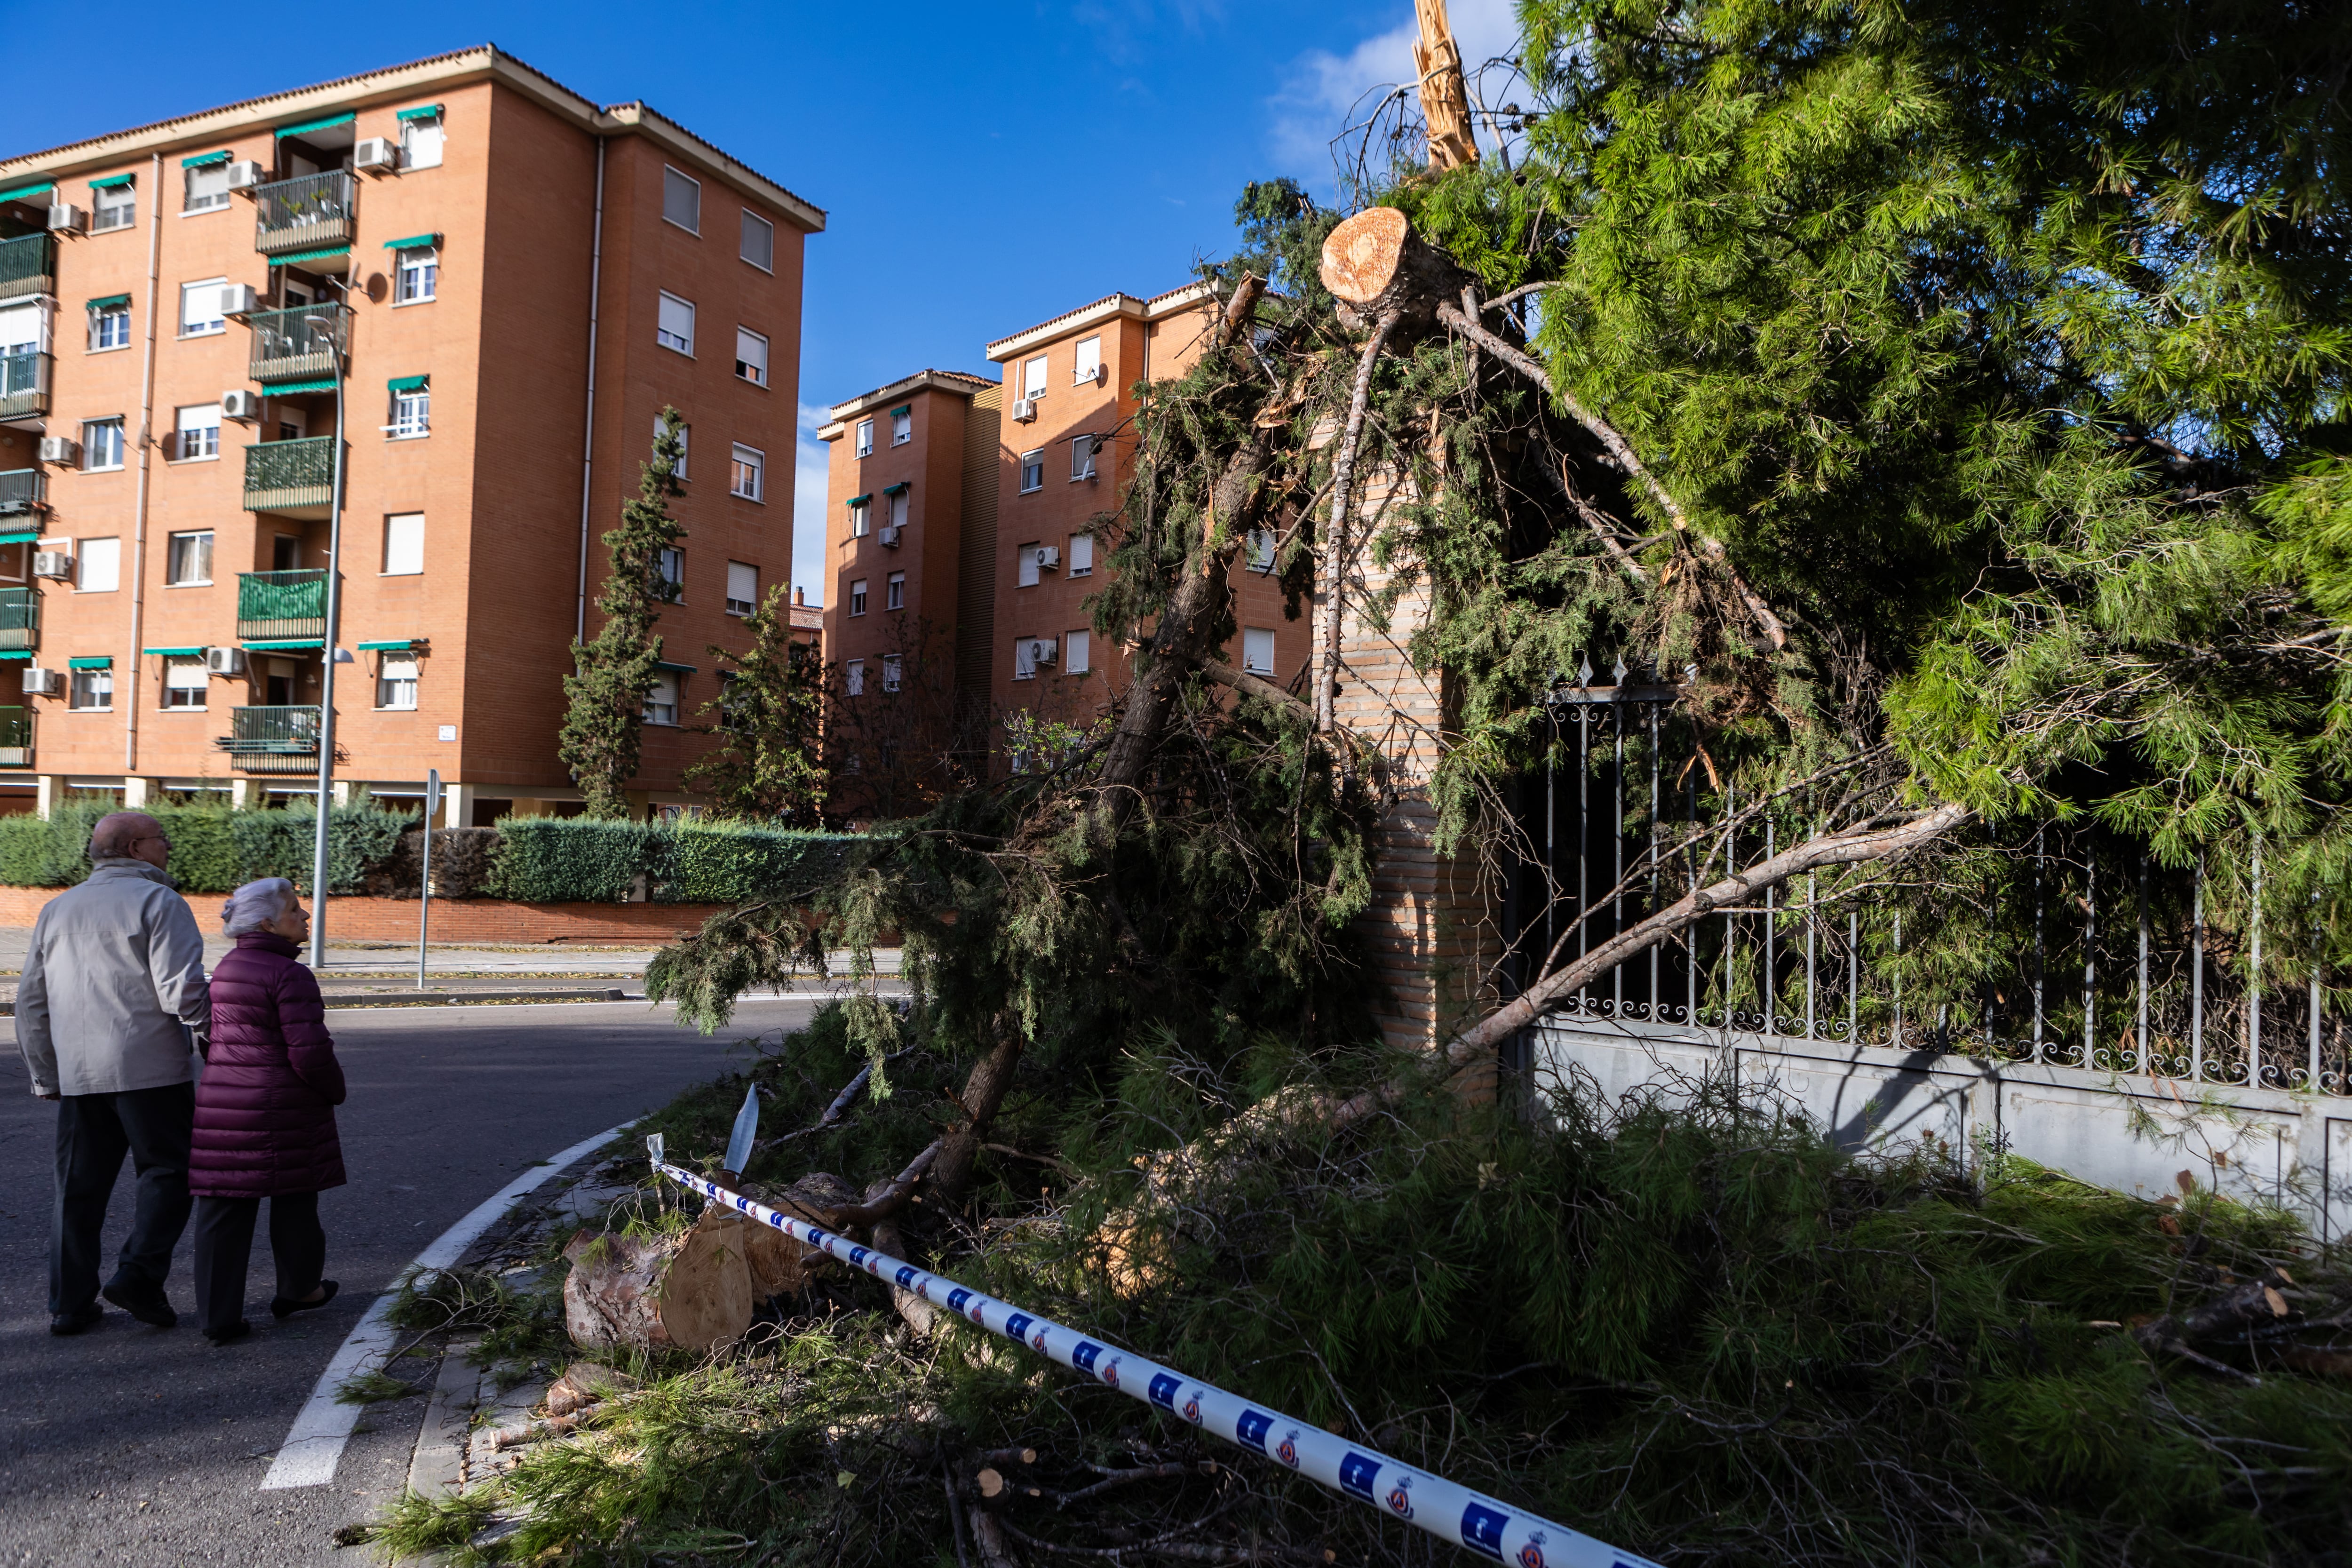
x: 1376, y: 266
x: 689, y: 1292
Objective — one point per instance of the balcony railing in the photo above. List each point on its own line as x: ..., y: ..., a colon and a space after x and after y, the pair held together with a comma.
x: 15, y: 737
x: 20, y: 620
x: 272, y: 740
x: 28, y: 266
x: 281, y: 606
x: 24, y: 491
x: 303, y: 214
x: 290, y: 475
x: 24, y: 383
x: 300, y: 344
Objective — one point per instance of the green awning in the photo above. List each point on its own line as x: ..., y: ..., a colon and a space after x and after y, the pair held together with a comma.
x: 22, y: 193
x: 320, y: 254
x: 107, y: 301
x: 285, y: 643
x: 676, y: 668
x: 96, y: 661
x: 902, y: 408
x: 284, y: 387
x: 422, y: 111
x: 329, y: 123
x: 399, y: 645
x: 26, y: 536
x: 202, y: 159
x: 16, y: 656
x: 113, y: 181
x: 859, y: 501
x: 894, y: 489
x: 172, y: 652
x: 408, y: 383
x: 413, y: 242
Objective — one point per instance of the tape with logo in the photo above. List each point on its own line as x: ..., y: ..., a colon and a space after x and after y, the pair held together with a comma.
x: 1490, y: 1528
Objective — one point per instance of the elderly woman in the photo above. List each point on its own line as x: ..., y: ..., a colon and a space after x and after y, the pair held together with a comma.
x: 265, y: 1115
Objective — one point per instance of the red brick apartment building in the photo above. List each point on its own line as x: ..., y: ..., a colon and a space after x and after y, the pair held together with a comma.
x: 520, y: 280
x: 1006, y: 560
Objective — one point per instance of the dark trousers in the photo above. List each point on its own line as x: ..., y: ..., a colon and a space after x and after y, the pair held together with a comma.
x: 298, y: 1244
x: 154, y: 1126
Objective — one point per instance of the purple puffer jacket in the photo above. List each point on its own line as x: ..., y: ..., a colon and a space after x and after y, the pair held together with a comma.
x: 265, y: 1106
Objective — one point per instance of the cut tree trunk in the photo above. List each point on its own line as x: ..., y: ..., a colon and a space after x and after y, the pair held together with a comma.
x: 1376, y: 266
x: 686, y: 1293
x: 781, y: 1266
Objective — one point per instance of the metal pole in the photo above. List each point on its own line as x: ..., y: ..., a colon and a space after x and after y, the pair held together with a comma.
x: 2090, y: 954
x: 1772, y: 943
x: 2146, y: 1053
x: 327, y: 667
x: 2041, y: 864
x: 425, y: 882
x: 2197, y: 974
x: 2255, y: 976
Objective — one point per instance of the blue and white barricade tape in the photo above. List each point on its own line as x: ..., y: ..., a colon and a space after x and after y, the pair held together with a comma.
x: 1490, y: 1528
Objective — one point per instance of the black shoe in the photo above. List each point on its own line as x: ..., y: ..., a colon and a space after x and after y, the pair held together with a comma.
x: 235, y: 1331
x: 75, y: 1321
x: 283, y: 1306
x: 144, y: 1302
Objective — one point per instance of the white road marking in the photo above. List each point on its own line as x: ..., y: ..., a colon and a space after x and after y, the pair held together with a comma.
x: 315, y: 1443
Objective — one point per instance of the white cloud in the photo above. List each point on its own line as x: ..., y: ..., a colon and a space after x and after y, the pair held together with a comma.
x: 1326, y: 91
x: 809, y: 455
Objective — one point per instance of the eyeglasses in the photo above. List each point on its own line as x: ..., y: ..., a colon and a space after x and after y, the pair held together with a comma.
x: 152, y: 838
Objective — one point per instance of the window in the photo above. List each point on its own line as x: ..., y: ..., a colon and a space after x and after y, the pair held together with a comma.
x: 891, y: 666
x: 748, y: 478
x: 685, y: 439
x: 1033, y: 471
x: 682, y: 199
x: 670, y: 567
x: 1081, y: 558
x: 902, y: 425
x: 1082, y: 458
x: 899, y: 506
x: 1257, y: 649
x: 198, y: 432
x: 418, y: 276
x: 661, y: 702
x: 742, y: 588
x: 1033, y: 378
x: 395, y: 681
x: 1089, y: 365
x: 1028, y: 559
x: 854, y: 677
x: 1077, y: 648
x: 94, y: 690
x: 113, y: 206
x: 411, y: 412
x: 207, y: 185
x: 1257, y: 550
x: 861, y: 521
x: 200, y: 308
x: 865, y: 437
x: 185, y: 683
x: 98, y: 566
x: 102, y: 444
x: 894, y: 591
x: 750, y: 356
x: 190, y: 558
x: 109, y: 325
x: 403, y: 544
x: 858, y: 597
x: 758, y: 245
x: 420, y: 142
x: 676, y: 329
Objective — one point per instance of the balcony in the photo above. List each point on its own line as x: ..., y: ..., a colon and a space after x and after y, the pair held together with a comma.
x: 272, y: 740
x: 309, y: 213
x: 281, y: 606
x: 20, y: 620
x: 300, y: 344
x: 24, y: 383
x: 23, y: 492
x: 15, y: 737
x: 297, y: 477
x: 28, y: 266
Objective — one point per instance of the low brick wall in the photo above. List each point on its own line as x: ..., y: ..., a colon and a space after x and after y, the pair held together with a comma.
x: 456, y: 923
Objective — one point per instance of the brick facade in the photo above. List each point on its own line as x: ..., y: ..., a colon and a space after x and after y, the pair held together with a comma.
x: 456, y: 923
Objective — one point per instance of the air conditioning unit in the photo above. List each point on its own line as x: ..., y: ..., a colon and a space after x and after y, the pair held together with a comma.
x: 66, y: 218
x: 1043, y: 653
x: 240, y: 403
x: 1025, y: 409
x: 1049, y: 558
x: 239, y: 299
x: 60, y: 449
x: 53, y: 564
x: 376, y: 153
x: 889, y: 536
x: 225, y: 661
x: 246, y: 176
x: 39, y: 682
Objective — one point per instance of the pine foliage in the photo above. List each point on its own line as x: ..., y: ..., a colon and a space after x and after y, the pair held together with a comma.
x: 768, y: 764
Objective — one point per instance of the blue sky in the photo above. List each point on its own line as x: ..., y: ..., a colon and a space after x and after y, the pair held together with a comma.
x: 984, y: 166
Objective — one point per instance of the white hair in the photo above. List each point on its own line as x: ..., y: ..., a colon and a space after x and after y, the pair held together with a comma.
x: 258, y: 904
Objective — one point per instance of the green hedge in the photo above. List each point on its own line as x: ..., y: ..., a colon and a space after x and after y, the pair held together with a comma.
x: 559, y: 860
x: 214, y: 849
x: 734, y: 865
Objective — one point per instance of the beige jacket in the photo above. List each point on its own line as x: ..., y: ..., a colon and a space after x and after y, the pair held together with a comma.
x: 114, y: 990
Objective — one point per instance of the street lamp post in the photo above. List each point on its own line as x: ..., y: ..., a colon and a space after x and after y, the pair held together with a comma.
x: 328, y: 652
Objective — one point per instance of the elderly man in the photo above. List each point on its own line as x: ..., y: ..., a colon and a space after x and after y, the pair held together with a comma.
x: 113, y: 999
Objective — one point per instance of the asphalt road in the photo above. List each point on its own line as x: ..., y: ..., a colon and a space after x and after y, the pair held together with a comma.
x: 134, y: 1446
